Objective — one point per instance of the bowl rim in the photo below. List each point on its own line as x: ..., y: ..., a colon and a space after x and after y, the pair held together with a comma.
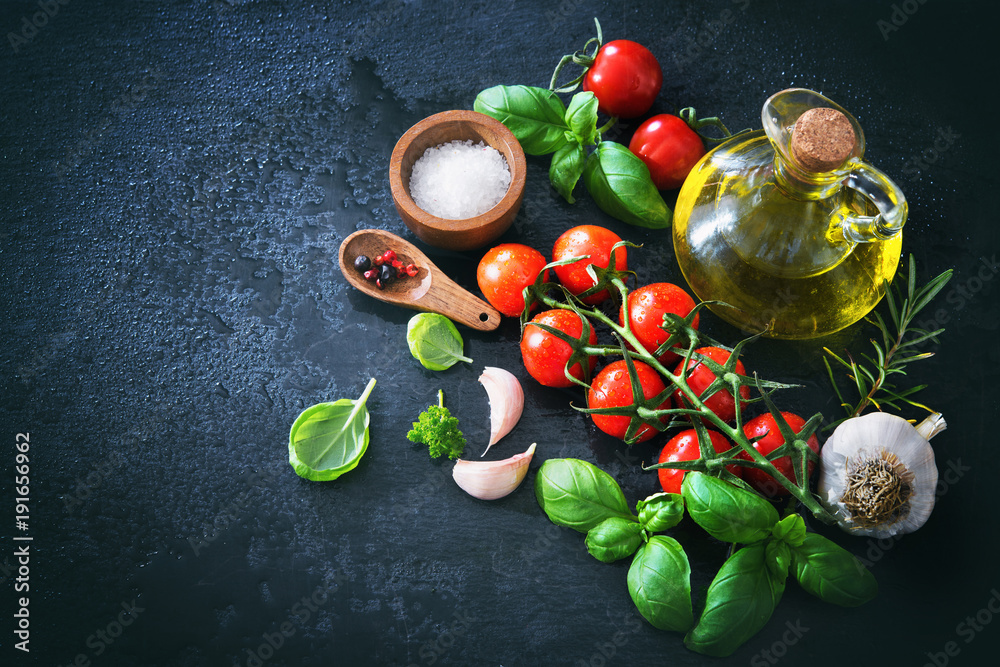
x: 517, y: 167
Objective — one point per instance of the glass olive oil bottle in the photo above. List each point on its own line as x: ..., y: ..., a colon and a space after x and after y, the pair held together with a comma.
x: 787, y: 225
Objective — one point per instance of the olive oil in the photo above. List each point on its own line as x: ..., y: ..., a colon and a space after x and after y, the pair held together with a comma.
x: 781, y: 246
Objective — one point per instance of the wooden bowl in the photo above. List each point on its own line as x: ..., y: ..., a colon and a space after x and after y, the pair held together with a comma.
x: 458, y: 125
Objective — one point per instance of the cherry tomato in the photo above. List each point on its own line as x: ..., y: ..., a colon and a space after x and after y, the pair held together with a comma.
x: 765, y: 426
x: 699, y: 377
x: 669, y: 147
x: 545, y: 355
x: 625, y: 77
x: 586, y: 240
x: 646, y: 307
x: 504, y: 272
x: 684, y: 447
x: 612, y: 388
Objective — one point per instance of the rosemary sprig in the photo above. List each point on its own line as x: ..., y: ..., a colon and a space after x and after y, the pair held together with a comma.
x: 898, y: 348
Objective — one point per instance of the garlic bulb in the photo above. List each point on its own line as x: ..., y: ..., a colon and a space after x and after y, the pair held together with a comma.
x: 506, y: 401
x: 878, y: 475
x: 489, y: 480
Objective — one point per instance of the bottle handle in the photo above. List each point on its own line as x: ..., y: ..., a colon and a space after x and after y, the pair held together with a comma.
x: 887, y: 198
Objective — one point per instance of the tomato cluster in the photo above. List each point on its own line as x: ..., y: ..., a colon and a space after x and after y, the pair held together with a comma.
x: 552, y: 345
x: 506, y: 270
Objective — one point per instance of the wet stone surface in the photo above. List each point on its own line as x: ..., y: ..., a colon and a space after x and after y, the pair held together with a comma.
x: 175, y: 181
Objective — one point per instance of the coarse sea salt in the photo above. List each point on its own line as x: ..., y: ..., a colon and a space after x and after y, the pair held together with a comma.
x: 459, y: 179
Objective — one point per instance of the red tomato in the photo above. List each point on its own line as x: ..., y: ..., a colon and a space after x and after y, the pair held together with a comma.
x: 586, y: 240
x: 684, y: 447
x: 646, y: 307
x: 504, y: 272
x: 625, y: 77
x: 545, y: 355
x: 612, y: 388
x: 699, y: 377
x: 669, y: 147
x: 765, y: 426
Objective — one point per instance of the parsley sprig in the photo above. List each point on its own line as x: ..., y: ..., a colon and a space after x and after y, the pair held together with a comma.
x: 438, y: 429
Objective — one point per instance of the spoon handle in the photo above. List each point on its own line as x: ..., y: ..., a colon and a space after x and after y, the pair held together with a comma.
x: 446, y: 297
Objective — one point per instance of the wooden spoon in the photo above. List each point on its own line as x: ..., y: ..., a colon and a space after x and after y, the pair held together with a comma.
x: 430, y: 290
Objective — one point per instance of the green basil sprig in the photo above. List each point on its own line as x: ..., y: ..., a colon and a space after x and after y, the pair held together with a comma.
x: 618, y: 181
x: 748, y: 586
x: 621, y: 186
x: 580, y: 495
x: 750, y: 583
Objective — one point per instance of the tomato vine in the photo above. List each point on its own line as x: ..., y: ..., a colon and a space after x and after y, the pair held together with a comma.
x: 647, y: 411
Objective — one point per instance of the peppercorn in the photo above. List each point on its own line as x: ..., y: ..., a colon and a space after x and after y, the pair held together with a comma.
x: 362, y: 263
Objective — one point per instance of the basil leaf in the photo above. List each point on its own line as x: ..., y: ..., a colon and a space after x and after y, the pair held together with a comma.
x: 434, y: 341
x: 581, y: 118
x: 578, y: 495
x: 791, y: 530
x: 660, y: 511
x: 329, y: 439
x: 535, y: 116
x: 621, y: 186
x: 566, y: 168
x: 778, y: 556
x: 725, y: 511
x: 832, y: 573
x: 659, y: 582
x: 614, y: 539
x: 739, y: 603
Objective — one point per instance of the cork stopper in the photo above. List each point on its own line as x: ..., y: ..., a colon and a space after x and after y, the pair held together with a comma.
x: 822, y: 139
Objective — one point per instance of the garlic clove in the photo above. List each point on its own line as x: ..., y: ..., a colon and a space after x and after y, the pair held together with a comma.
x: 489, y: 480
x: 506, y: 401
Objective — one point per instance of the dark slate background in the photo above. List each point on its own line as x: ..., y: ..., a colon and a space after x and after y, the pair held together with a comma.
x: 175, y: 181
